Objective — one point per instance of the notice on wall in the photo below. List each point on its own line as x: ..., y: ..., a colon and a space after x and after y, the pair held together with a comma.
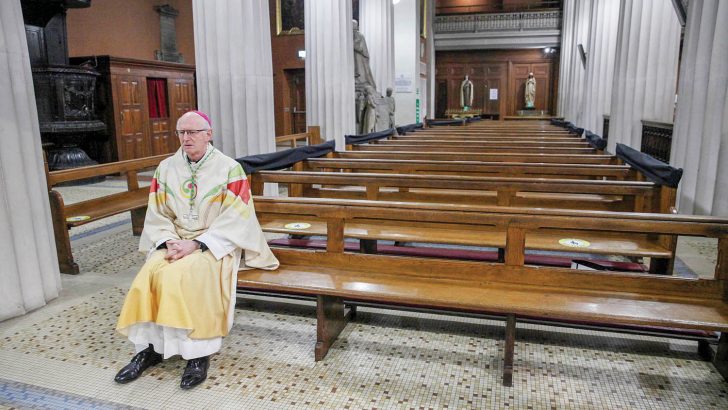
x: 493, y: 93
x: 403, y: 83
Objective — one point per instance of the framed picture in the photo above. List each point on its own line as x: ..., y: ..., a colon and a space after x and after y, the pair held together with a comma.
x: 289, y: 17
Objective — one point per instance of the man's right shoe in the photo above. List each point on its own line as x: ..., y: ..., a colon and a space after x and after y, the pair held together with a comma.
x: 140, y: 362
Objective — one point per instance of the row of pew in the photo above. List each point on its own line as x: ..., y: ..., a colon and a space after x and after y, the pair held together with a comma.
x: 481, y: 218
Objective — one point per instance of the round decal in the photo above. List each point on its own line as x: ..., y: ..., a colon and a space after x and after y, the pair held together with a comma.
x: 298, y: 225
x: 189, y: 189
x: 574, y: 243
x: 77, y: 218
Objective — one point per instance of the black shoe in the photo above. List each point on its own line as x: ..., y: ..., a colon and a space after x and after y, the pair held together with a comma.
x: 195, y: 372
x: 140, y: 362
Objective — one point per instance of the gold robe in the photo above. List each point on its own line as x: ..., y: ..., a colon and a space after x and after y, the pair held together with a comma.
x: 190, y: 302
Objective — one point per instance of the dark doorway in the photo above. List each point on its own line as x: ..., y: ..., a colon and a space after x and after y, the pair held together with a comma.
x: 297, y: 101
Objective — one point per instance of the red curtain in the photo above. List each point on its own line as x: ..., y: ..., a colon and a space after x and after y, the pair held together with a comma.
x: 157, y: 96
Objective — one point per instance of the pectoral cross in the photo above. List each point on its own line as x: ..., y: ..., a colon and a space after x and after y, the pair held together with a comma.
x: 191, y: 216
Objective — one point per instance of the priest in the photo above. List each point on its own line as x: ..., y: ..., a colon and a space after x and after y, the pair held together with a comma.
x: 199, y: 228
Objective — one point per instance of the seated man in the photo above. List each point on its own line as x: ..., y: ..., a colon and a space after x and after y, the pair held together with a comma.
x: 200, y: 221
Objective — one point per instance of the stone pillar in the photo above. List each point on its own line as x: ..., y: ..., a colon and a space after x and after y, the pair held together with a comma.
x: 235, y: 74
x: 330, y: 68
x: 574, y: 31
x: 645, y: 70
x: 600, y: 64
x: 700, y: 134
x: 29, y: 267
x: 377, y: 26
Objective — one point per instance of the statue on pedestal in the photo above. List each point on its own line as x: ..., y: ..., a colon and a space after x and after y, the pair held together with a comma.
x: 530, y: 93
x: 391, y: 106
x: 466, y: 93
x: 372, y: 109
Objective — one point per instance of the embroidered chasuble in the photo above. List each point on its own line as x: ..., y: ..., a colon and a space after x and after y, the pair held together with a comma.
x: 188, y: 305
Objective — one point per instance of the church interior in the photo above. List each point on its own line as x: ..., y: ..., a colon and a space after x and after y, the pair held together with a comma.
x: 474, y: 204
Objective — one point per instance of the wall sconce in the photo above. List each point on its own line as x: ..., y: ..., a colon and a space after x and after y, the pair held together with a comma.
x: 302, y: 54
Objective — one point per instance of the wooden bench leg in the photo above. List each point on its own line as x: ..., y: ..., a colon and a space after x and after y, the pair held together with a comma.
x: 60, y: 232
x: 720, y: 361
x: 137, y: 220
x: 330, y: 321
x: 508, y: 350
x: 704, y: 350
x: 368, y: 245
x: 662, y: 266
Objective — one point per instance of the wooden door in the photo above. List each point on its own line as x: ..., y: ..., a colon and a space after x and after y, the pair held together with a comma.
x: 130, y: 95
x: 297, y: 86
x: 183, y: 100
x: 161, y: 136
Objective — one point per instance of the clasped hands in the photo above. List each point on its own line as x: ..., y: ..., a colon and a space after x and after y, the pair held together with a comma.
x: 178, y: 249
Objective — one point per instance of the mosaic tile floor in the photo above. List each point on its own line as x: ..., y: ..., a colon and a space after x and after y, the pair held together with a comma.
x: 66, y: 354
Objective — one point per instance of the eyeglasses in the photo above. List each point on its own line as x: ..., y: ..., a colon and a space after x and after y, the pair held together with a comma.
x: 181, y: 133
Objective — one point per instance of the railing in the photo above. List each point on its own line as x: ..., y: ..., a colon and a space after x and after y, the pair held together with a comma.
x: 494, y: 7
x: 657, y: 139
x: 471, y: 23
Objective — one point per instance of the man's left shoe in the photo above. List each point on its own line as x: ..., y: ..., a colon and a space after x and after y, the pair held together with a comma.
x: 195, y: 372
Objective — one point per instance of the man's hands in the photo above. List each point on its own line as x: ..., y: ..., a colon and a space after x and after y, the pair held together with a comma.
x: 178, y: 249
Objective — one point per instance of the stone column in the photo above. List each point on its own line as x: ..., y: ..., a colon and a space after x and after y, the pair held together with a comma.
x: 377, y: 26
x: 28, y: 265
x: 700, y: 135
x: 574, y: 31
x: 330, y: 68
x: 600, y: 64
x: 235, y: 74
x: 645, y: 71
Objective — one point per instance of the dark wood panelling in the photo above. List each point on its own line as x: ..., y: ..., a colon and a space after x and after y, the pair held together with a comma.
x: 285, y: 57
x: 505, y: 70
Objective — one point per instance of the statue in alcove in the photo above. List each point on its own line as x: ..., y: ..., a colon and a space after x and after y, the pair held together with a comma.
x: 530, y: 92
x: 466, y: 94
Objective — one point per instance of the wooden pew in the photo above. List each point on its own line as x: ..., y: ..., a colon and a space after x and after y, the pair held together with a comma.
x: 510, y: 288
x: 475, y: 148
x: 471, y: 168
x: 627, y: 196
x: 311, y: 137
x: 64, y: 217
x: 478, y: 156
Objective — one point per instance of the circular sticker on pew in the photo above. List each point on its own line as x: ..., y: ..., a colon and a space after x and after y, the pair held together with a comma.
x: 77, y: 218
x: 298, y: 225
x: 574, y: 243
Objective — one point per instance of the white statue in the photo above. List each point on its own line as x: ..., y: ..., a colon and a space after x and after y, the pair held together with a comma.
x: 466, y: 93
x: 530, y: 92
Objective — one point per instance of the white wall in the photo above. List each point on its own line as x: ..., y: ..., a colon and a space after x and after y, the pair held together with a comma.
x: 406, y: 59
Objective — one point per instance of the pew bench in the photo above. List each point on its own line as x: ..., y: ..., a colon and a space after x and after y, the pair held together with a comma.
x: 65, y: 217
x: 471, y: 168
x: 510, y: 288
x: 479, y: 148
x: 442, y: 155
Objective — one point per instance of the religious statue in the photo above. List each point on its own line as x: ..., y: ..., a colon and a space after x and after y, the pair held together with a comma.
x: 391, y: 106
x: 369, y: 114
x: 362, y: 71
x: 530, y: 92
x: 372, y: 109
x: 466, y: 93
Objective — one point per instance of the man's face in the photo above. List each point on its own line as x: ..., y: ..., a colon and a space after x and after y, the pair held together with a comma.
x: 194, y: 133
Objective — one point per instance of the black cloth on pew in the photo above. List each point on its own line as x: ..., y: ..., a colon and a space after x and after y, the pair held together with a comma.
x: 473, y: 119
x: 559, y: 123
x: 445, y: 122
x: 595, y: 141
x: 361, y: 139
x: 656, y: 170
x: 404, y: 129
x: 574, y: 129
x: 284, y: 159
